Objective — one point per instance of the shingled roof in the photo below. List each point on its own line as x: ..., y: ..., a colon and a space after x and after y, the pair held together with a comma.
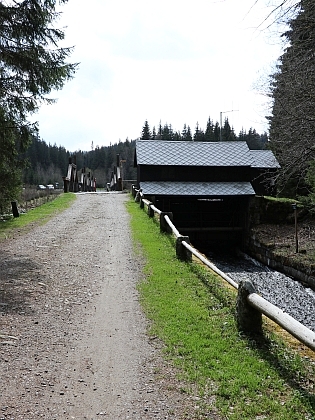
x: 189, y: 153
x: 206, y: 189
x: 264, y: 159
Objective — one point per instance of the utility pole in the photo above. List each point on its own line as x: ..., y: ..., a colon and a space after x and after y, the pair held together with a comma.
x: 294, y: 206
x: 224, y: 112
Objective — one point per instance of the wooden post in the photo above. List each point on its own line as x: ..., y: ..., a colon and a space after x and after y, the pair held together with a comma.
x: 141, y: 203
x: 249, y: 319
x: 182, y: 252
x: 164, y: 227
x: 138, y: 196
x: 15, y: 210
x: 65, y: 184
x: 119, y: 184
x: 294, y: 206
x: 150, y: 210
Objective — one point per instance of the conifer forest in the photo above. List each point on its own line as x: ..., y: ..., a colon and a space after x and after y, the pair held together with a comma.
x: 32, y: 65
x: 47, y: 164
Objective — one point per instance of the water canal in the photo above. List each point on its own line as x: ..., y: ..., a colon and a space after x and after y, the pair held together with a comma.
x: 283, y: 291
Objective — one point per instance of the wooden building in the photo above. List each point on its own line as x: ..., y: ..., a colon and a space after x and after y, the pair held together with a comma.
x: 206, y: 185
x: 75, y: 182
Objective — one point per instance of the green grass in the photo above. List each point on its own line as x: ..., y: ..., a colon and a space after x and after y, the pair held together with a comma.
x: 192, y: 312
x: 38, y: 215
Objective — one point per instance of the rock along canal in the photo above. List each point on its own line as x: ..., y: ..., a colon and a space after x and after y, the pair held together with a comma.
x: 280, y: 290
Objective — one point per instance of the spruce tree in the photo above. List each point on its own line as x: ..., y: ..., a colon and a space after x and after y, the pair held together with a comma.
x: 31, y: 65
x: 209, y: 133
x: 160, y: 131
x: 167, y: 132
x: 292, y: 124
x: 253, y: 140
x: 184, y: 133
x: 242, y: 135
x: 199, y: 134
x: 146, y: 132
x: 177, y: 136
x: 228, y: 132
x: 188, y: 134
x: 216, y: 132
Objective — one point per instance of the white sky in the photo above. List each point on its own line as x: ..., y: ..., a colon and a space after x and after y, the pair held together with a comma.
x: 171, y: 61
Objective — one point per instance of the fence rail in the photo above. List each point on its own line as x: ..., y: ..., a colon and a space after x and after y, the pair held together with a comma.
x: 210, y: 265
x: 287, y: 322
x: 172, y: 226
x: 250, y: 305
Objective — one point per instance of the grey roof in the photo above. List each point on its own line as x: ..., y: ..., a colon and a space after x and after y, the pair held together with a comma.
x: 264, y: 159
x: 190, y: 153
x: 207, y: 189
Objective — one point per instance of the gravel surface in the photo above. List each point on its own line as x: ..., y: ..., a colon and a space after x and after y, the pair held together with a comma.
x: 283, y: 291
x: 73, y: 342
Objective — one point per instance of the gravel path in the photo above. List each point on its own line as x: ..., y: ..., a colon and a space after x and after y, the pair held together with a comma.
x: 73, y: 341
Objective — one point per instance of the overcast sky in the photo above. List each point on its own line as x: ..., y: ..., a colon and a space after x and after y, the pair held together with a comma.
x: 168, y: 60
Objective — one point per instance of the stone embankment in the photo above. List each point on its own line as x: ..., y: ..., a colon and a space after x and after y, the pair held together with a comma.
x: 286, y: 278
x: 267, y: 254
x: 272, y: 239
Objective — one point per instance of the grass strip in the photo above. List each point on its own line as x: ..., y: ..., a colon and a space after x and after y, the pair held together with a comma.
x: 192, y: 312
x: 37, y: 216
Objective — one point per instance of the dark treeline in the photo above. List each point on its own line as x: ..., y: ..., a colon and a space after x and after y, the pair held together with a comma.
x: 47, y: 164
x: 211, y: 133
x: 39, y: 66
x: 101, y: 161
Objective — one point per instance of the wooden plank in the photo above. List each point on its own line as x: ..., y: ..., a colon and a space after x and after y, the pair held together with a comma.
x: 210, y: 265
x: 156, y: 210
x: 212, y: 229
x: 171, y: 225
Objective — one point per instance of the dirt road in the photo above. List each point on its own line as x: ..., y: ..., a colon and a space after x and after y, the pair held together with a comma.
x: 73, y: 341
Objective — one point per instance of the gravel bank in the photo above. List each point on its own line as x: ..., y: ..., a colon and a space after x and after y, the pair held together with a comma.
x: 283, y: 291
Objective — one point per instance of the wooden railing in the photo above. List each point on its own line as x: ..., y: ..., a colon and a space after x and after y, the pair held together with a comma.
x: 250, y: 305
